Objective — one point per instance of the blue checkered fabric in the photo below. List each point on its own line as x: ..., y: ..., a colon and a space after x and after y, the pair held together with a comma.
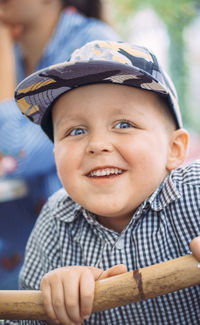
x: 161, y: 229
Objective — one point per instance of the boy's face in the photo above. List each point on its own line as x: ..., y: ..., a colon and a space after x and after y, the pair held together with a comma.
x: 111, y: 148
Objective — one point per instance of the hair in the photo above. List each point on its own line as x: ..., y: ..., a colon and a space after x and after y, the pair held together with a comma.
x: 167, y: 112
x: 89, y: 8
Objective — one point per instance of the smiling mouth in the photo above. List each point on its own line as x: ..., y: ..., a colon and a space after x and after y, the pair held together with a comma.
x: 106, y: 172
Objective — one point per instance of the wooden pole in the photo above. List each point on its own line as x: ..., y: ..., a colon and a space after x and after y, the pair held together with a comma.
x: 137, y: 285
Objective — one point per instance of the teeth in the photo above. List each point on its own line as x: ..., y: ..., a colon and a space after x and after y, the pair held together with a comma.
x: 106, y: 172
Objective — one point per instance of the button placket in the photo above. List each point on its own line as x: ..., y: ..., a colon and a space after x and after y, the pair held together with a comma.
x: 120, y: 243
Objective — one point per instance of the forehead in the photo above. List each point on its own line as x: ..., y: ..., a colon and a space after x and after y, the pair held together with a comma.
x: 109, y: 93
x: 111, y: 97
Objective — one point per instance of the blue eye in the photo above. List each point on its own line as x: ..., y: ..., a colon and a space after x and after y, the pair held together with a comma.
x: 123, y: 125
x: 77, y: 131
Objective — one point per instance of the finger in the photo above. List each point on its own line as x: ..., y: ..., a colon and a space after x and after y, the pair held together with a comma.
x: 195, y: 247
x: 16, y: 32
x: 71, y: 296
x: 47, y: 301
x: 96, y: 272
x: 87, y: 285
x: 115, y: 270
x: 58, y: 302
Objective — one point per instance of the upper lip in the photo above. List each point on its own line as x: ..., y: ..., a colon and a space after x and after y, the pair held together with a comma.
x: 103, y: 168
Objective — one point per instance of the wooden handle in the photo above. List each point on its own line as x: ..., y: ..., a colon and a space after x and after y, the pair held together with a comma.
x: 137, y: 285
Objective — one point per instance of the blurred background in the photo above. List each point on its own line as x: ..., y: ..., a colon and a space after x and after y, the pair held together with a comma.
x: 171, y: 29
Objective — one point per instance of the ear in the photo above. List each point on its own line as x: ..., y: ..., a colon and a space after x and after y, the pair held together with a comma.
x: 177, y: 149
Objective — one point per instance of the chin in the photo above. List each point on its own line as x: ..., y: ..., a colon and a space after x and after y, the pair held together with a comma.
x: 109, y: 213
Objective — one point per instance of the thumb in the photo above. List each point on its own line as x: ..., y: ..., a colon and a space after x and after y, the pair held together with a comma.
x: 114, y: 270
x: 195, y: 247
x: 99, y: 274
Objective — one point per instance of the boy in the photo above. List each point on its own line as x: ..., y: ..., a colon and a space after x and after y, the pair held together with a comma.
x: 118, y: 142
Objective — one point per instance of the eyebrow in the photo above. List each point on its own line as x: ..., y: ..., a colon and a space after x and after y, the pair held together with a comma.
x: 120, y: 111
x: 68, y: 118
x: 74, y: 117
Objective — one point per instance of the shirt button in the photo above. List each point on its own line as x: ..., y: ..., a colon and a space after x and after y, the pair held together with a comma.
x: 120, y: 244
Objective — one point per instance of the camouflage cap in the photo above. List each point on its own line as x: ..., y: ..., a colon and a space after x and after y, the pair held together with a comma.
x: 95, y: 62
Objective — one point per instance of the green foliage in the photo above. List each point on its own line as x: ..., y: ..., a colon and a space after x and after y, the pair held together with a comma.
x: 171, y: 11
x: 176, y: 14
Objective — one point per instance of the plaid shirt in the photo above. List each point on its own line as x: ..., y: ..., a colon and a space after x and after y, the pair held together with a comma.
x: 161, y: 229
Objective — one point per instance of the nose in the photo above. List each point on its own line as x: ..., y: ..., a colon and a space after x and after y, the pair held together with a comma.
x: 99, y: 144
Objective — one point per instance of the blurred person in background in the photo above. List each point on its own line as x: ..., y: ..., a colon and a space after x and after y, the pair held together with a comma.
x: 33, y: 35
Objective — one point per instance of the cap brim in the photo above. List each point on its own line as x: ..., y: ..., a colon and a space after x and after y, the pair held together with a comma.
x: 36, y: 94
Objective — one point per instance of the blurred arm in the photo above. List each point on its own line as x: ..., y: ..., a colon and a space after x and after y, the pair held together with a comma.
x: 7, y: 64
x: 19, y: 137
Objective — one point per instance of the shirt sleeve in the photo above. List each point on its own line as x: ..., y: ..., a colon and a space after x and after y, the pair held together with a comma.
x: 97, y: 30
x: 25, y: 142
x: 101, y: 31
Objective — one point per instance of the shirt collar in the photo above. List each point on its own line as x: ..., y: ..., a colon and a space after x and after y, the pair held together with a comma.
x: 165, y: 194
x: 63, y: 207
x: 73, y: 211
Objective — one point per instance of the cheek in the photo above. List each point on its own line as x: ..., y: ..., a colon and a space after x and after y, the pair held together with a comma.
x: 134, y: 150
x: 62, y: 159
x: 67, y: 162
x: 145, y: 152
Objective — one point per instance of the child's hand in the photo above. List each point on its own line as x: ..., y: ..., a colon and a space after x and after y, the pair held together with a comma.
x: 195, y: 247
x: 68, y: 292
